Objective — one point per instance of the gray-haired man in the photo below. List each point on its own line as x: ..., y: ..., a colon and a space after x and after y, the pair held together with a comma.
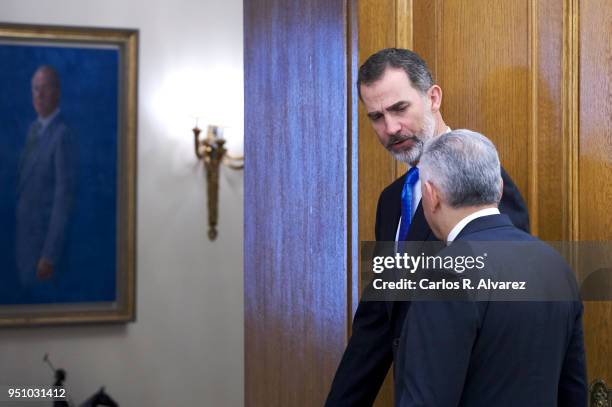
x: 484, y: 353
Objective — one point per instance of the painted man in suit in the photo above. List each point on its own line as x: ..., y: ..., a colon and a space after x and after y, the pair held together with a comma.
x: 403, y: 104
x: 491, y: 351
x: 45, y: 185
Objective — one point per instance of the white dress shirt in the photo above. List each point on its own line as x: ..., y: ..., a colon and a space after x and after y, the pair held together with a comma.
x: 463, y: 222
x: 44, y: 122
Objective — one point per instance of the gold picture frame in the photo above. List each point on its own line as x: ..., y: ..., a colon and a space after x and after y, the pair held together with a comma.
x: 84, y: 271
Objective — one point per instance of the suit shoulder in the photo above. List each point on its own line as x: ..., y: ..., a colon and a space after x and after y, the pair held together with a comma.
x: 62, y: 125
x: 394, y: 189
x: 62, y: 130
x: 539, y: 248
x: 513, y: 204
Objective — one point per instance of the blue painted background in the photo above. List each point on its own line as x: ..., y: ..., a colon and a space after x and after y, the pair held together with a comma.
x: 89, y: 102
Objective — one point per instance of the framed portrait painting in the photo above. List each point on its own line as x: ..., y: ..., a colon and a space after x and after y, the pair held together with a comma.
x: 67, y: 174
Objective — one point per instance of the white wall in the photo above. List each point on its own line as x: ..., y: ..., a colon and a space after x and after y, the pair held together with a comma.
x: 186, y: 348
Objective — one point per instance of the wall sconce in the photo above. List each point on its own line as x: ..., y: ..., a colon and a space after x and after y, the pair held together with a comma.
x: 212, y: 150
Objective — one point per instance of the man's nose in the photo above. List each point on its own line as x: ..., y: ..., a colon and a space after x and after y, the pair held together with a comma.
x: 392, y: 125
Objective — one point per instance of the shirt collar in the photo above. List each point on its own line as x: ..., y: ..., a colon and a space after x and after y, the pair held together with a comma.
x: 463, y: 223
x: 44, y: 122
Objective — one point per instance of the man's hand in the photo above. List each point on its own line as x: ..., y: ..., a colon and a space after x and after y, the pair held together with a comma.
x: 44, y: 270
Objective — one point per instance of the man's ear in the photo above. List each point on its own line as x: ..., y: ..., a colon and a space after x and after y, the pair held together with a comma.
x: 435, y: 97
x: 433, y: 196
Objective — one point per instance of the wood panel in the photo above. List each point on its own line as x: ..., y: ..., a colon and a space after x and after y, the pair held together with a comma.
x: 483, y: 69
x: 547, y: 178
x: 594, y: 169
x: 296, y: 216
x: 377, y: 22
x: 403, y: 39
x: 424, y: 32
x: 500, y: 67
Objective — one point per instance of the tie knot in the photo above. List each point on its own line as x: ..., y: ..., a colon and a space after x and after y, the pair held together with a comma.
x: 413, y: 176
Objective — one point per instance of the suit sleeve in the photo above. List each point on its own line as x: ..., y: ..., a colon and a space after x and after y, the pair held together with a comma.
x: 368, y: 355
x: 572, y: 383
x: 62, y: 196
x: 512, y: 203
x: 440, y: 336
x: 366, y: 360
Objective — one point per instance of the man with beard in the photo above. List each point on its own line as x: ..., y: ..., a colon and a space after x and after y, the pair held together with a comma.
x: 403, y: 105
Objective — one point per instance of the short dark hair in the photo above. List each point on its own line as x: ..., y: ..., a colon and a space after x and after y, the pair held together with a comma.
x: 410, y: 62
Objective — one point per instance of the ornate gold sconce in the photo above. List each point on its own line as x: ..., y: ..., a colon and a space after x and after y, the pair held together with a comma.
x: 212, y: 150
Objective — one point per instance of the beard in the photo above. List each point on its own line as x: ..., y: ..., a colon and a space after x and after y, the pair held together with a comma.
x: 412, y: 155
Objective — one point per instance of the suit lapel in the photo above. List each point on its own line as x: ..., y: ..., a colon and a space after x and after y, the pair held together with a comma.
x: 32, y: 156
x: 393, y: 208
x: 419, y: 228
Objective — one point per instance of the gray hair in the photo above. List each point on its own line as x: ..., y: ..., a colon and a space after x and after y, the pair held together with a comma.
x: 464, y: 166
x: 410, y: 62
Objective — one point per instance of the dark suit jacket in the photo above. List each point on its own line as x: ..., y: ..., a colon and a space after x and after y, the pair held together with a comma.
x: 496, y: 353
x: 45, y: 192
x: 377, y: 326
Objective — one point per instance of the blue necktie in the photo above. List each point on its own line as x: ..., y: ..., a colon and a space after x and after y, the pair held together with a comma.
x: 411, y: 178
